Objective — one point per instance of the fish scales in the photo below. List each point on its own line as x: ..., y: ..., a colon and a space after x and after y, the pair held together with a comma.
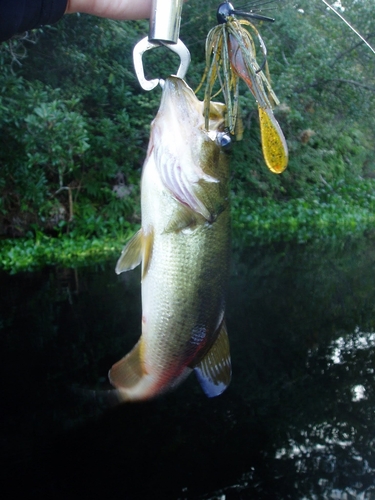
x: 184, y: 246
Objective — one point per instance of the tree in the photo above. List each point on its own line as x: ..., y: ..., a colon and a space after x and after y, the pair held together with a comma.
x: 73, y: 115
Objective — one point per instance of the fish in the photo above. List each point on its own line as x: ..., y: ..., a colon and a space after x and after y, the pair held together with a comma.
x: 183, y: 247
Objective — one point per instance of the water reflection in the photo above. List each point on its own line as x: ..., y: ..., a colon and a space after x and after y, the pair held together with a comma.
x: 296, y: 422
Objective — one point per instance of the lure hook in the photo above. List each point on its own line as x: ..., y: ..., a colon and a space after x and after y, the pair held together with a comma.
x: 231, y: 56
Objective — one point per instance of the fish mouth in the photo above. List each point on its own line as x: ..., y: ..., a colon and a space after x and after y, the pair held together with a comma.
x: 176, y: 85
x: 180, y: 100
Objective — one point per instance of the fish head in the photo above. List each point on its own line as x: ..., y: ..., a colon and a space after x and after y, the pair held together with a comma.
x: 179, y: 125
x: 187, y: 156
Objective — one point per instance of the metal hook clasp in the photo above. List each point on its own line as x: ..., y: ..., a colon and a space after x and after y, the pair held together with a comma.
x: 164, y: 31
x: 179, y: 48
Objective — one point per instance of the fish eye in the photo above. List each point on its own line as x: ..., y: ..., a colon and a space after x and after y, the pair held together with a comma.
x: 224, y: 140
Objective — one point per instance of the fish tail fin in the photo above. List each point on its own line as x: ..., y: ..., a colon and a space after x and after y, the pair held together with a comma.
x: 214, y: 371
x: 128, y: 372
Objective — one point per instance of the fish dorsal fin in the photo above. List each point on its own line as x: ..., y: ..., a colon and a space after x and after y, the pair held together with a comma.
x: 127, y: 372
x: 137, y: 250
x: 214, y: 371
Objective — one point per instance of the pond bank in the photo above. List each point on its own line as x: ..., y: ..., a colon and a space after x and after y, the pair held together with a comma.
x: 330, y: 214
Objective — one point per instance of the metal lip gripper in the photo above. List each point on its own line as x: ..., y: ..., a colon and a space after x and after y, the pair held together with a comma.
x: 164, y: 31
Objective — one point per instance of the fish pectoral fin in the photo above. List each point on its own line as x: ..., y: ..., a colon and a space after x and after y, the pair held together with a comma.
x: 131, y: 255
x: 127, y: 372
x: 182, y: 219
x: 137, y: 250
x: 214, y: 371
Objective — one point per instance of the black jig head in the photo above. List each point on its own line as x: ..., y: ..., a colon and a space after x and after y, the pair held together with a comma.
x: 226, y: 9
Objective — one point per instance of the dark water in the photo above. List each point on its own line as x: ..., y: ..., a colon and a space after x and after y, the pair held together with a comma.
x: 298, y: 420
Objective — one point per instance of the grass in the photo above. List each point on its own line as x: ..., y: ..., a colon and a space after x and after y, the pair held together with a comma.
x: 300, y: 221
x: 327, y: 213
x: 28, y: 254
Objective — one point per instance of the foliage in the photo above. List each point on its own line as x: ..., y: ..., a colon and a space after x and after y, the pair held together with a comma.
x: 72, y: 249
x: 325, y: 80
x: 73, y: 137
x: 74, y: 123
x: 329, y: 211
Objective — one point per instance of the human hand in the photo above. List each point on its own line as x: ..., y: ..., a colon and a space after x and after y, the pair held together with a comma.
x: 112, y: 9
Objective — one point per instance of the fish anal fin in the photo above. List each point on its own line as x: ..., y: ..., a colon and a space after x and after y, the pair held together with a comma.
x: 128, y: 372
x: 137, y: 250
x: 214, y: 371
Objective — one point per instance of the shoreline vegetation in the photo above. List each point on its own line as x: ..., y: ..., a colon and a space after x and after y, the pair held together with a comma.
x: 332, y: 215
x: 75, y: 125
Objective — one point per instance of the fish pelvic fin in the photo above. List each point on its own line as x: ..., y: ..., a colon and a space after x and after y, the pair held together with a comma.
x: 137, y: 250
x: 128, y: 372
x: 214, y: 371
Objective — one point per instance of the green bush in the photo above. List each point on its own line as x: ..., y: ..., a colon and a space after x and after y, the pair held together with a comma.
x: 74, y: 124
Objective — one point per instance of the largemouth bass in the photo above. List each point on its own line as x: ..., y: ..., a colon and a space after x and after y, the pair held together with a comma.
x: 184, y: 245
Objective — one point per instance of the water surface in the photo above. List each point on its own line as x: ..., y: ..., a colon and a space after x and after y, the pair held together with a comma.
x: 296, y: 422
